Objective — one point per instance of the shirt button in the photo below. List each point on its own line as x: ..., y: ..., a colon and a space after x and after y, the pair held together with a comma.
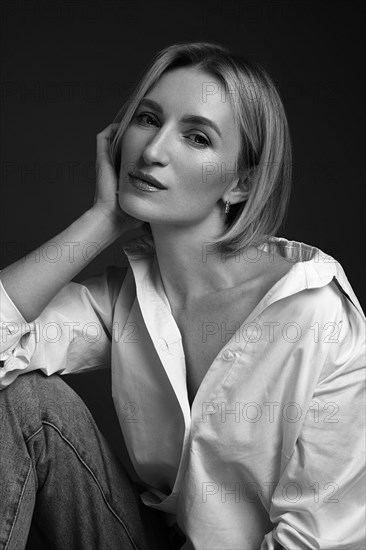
x: 10, y: 329
x: 228, y: 355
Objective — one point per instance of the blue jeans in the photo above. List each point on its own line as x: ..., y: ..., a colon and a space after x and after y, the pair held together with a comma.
x: 58, y: 470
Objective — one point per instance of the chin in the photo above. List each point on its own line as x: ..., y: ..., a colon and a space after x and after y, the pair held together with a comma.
x: 135, y: 208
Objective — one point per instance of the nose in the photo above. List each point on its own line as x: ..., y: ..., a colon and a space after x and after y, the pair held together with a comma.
x: 156, y: 149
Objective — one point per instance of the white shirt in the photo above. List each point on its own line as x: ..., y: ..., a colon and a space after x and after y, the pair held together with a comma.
x: 273, y: 448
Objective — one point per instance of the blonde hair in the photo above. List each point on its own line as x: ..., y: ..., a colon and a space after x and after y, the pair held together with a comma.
x: 265, y: 160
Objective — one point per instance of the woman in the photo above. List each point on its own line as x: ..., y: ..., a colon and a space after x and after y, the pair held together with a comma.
x: 236, y: 355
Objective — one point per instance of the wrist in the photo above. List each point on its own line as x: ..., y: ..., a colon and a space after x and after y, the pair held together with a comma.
x: 107, y: 218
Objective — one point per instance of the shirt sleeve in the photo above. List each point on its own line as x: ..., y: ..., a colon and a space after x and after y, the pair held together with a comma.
x: 319, y: 501
x: 72, y: 334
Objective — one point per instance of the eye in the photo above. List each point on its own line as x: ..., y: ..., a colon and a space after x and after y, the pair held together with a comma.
x: 204, y: 141
x: 146, y: 118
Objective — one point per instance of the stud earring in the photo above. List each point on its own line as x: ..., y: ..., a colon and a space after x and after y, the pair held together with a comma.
x: 227, y: 207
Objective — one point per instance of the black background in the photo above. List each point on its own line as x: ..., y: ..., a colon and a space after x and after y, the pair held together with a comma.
x: 67, y: 68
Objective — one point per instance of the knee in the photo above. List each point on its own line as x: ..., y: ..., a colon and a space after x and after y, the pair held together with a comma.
x: 24, y: 385
x: 31, y: 384
x: 48, y: 396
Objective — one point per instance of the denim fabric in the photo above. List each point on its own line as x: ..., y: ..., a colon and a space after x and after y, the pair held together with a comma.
x: 57, y: 469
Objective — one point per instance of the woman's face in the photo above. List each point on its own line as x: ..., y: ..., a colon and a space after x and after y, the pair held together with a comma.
x: 194, y: 160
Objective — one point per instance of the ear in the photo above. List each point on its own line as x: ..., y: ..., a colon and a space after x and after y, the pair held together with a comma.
x: 240, y: 188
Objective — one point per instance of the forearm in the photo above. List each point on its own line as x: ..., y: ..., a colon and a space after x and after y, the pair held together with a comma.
x: 35, y: 279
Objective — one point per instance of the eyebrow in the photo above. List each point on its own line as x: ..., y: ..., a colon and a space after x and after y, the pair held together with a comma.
x: 195, y: 119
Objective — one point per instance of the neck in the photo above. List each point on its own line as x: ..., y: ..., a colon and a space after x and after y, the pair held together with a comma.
x: 190, y: 266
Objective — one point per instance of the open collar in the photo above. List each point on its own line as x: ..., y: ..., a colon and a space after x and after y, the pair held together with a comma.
x: 312, y: 268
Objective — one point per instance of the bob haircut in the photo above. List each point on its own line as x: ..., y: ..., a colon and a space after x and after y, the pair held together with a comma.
x: 265, y: 158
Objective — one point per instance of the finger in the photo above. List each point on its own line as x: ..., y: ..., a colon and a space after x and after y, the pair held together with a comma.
x: 102, y: 148
x: 103, y: 141
x: 108, y: 130
x: 105, y: 138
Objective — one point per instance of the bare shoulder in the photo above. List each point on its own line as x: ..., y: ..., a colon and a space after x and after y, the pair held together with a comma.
x: 274, y: 265
x: 267, y: 268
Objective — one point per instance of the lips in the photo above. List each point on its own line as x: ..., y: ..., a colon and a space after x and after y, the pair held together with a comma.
x: 147, y: 178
